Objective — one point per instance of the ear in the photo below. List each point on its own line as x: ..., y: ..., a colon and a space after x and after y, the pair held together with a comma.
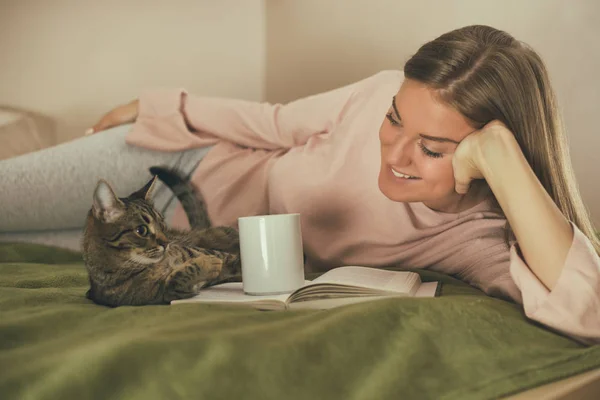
x: 145, y: 192
x: 106, y: 207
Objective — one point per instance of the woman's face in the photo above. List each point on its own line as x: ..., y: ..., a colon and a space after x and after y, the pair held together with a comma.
x: 418, y: 138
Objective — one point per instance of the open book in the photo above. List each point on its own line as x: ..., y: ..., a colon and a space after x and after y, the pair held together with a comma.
x: 337, y: 287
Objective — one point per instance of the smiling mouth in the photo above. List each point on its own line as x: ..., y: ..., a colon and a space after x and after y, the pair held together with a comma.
x: 403, y: 176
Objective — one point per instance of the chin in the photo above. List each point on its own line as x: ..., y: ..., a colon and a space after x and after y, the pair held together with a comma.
x: 405, y: 194
x: 402, y: 198
x: 146, y: 257
x: 396, y: 195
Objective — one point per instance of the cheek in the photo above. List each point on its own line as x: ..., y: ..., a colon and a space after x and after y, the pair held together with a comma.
x: 387, y: 134
x: 438, y: 172
x: 138, y: 242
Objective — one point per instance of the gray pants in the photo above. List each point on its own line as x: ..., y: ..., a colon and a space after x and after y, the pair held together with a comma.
x: 45, y: 196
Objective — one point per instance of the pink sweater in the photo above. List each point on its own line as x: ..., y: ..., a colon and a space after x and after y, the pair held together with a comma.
x: 319, y: 156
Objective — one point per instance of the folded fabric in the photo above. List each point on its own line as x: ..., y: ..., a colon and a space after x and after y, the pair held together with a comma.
x: 54, y: 343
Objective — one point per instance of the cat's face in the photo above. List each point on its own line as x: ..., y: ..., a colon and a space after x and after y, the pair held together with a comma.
x: 130, y: 226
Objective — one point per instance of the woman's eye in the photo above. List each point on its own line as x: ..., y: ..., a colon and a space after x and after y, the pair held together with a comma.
x: 142, y: 230
x: 393, y: 122
x: 428, y: 152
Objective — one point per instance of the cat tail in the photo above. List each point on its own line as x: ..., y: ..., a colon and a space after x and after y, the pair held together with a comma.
x: 190, y: 198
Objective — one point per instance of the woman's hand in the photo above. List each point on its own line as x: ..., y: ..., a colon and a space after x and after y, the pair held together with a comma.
x: 123, y: 114
x: 467, y: 158
x: 542, y: 231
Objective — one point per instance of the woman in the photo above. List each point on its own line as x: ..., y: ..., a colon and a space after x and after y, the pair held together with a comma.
x: 469, y: 174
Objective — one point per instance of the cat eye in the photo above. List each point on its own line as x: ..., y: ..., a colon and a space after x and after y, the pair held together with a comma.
x: 142, y: 230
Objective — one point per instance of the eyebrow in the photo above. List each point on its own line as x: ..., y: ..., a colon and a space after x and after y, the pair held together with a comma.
x: 428, y: 137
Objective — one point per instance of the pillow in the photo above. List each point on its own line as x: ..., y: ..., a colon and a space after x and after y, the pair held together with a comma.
x: 23, y: 132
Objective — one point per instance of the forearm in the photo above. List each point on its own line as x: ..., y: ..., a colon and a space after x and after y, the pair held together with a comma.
x: 247, y: 123
x: 187, y: 118
x: 543, y: 233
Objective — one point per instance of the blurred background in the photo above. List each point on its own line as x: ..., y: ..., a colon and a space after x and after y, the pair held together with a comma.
x: 67, y: 62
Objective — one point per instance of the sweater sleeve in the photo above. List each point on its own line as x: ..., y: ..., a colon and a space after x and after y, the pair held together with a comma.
x: 573, y: 305
x: 174, y: 120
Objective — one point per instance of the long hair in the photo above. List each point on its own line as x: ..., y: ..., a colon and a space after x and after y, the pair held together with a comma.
x: 486, y: 75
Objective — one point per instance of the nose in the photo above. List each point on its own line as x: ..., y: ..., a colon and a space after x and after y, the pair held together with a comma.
x: 401, y: 152
x: 162, y: 240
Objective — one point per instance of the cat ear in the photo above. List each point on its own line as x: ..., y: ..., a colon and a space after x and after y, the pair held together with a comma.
x: 106, y: 207
x: 145, y: 192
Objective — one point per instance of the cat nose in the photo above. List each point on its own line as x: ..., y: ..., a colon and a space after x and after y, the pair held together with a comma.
x: 162, y: 240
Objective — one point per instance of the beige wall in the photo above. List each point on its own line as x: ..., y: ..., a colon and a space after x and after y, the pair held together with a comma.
x: 315, y: 45
x: 75, y: 59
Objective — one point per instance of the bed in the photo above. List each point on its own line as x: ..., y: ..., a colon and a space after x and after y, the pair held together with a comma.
x: 56, y: 344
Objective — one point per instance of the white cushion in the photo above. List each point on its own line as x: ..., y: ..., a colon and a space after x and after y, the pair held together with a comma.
x: 22, y: 132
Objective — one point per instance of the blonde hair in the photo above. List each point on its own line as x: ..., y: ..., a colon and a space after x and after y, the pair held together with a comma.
x: 486, y: 75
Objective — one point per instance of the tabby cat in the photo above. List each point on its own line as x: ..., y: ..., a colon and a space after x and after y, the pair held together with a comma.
x: 132, y: 258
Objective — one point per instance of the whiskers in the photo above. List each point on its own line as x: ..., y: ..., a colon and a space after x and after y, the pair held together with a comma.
x: 149, y: 256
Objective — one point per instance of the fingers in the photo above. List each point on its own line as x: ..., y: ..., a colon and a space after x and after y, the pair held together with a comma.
x: 105, y: 122
x: 121, y: 115
x: 462, y: 188
x: 462, y: 176
x: 462, y: 180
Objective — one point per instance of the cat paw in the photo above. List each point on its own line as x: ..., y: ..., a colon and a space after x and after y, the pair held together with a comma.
x: 207, y: 267
x: 233, y: 266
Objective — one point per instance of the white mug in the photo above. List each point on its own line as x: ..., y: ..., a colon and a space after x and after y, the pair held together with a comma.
x: 271, y: 253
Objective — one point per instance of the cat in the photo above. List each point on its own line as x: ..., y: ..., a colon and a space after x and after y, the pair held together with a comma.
x: 133, y: 258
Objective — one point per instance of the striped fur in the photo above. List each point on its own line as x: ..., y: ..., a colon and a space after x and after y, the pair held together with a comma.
x: 133, y: 258
x: 187, y: 194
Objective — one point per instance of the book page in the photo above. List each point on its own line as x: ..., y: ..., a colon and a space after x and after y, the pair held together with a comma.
x: 232, y: 292
x: 427, y: 289
x: 372, y: 278
x: 327, y: 303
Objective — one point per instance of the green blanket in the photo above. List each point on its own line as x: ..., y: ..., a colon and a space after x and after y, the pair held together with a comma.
x: 55, y: 344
